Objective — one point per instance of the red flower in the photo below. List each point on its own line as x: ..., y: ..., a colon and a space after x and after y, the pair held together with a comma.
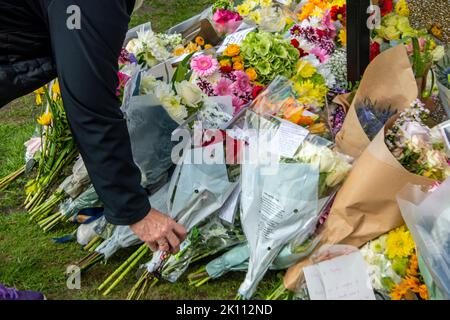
x: 226, y: 69
x: 386, y: 6
x: 256, y: 91
x: 339, y: 13
x: 375, y: 50
x: 295, y: 43
x: 302, y: 52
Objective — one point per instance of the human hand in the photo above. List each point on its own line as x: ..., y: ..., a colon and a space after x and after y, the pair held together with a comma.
x: 159, y: 231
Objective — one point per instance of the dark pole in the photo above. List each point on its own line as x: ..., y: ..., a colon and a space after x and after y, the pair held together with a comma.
x: 358, y: 39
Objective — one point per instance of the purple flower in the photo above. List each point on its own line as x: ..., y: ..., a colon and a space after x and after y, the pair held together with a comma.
x: 206, y: 87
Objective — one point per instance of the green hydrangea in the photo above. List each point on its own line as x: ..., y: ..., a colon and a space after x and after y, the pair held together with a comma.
x: 270, y: 55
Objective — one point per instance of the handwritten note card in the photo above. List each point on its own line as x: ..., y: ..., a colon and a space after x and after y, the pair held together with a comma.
x: 235, y: 38
x: 289, y: 138
x: 343, y: 278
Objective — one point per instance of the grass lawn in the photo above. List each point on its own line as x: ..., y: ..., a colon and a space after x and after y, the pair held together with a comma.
x: 29, y: 259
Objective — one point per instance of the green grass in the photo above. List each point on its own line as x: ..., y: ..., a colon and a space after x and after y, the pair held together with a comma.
x: 29, y: 259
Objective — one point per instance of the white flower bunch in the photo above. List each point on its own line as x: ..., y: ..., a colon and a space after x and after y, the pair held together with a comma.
x: 337, y: 64
x: 336, y: 166
x: 148, y: 48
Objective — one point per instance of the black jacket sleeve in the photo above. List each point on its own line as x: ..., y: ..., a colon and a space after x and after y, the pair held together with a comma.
x: 86, y: 62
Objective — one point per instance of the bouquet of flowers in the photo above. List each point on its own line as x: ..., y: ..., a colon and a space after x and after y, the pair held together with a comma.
x: 419, y: 149
x: 269, y: 55
x: 151, y: 48
x: 267, y: 15
x: 226, y: 20
x: 298, y: 102
x: 57, y: 150
x: 393, y: 265
x: 225, y: 76
x: 283, y: 205
x: 372, y: 118
x: 198, y: 44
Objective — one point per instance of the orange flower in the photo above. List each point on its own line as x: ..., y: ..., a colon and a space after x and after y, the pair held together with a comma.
x: 208, y: 46
x: 237, y: 59
x: 232, y: 50
x: 251, y: 74
x: 423, y: 292
x: 200, y: 41
x: 238, y: 66
x: 225, y: 63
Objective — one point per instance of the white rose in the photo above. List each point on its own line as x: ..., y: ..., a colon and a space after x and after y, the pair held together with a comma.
x: 327, y: 160
x: 189, y: 93
x: 338, y: 174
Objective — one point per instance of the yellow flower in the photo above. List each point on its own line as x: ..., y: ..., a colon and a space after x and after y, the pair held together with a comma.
x: 251, y: 74
x: 401, y: 8
x: 192, y: 47
x: 238, y: 65
x: 45, y: 119
x: 243, y: 9
x: 39, y: 92
x: 399, y: 243
x: 232, y: 50
x: 289, y: 21
x: 305, y: 69
x: 56, y: 91
x: 225, y: 63
x: 343, y: 37
x: 256, y: 17
x: 208, y: 46
x: 200, y: 41
x: 265, y: 3
x: 178, y: 51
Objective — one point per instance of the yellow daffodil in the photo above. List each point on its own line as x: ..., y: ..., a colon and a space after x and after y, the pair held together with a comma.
x: 39, y: 92
x: 45, y: 119
x: 56, y: 91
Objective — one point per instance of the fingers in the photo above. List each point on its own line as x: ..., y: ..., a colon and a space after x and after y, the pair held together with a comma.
x: 164, y: 245
x: 153, y: 246
x: 180, y: 231
x: 174, y: 242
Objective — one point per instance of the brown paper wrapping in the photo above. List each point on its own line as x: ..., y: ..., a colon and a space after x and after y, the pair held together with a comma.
x: 343, y: 100
x: 388, y: 81
x: 366, y: 205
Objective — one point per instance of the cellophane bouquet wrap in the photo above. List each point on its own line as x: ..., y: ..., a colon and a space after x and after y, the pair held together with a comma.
x: 427, y: 215
x: 151, y: 148
x: 280, y: 199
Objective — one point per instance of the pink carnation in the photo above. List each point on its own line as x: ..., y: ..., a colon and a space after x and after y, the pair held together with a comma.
x: 224, y: 87
x: 204, y: 65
